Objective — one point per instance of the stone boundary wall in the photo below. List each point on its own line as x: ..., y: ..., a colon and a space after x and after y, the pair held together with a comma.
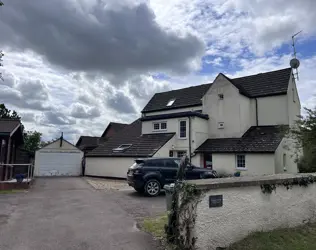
x: 232, y: 208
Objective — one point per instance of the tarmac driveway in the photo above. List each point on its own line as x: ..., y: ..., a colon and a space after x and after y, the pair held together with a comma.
x: 68, y: 214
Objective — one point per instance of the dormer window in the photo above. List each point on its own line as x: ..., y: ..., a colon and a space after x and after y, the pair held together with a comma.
x: 121, y: 148
x: 170, y: 102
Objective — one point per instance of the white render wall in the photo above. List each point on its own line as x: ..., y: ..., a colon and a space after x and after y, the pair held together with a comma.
x: 294, y: 104
x: 246, y: 209
x: 199, y: 132
x: 273, y: 110
x: 108, y: 166
x: 256, y: 164
x: 285, y: 157
x: 164, y: 150
x: 234, y: 110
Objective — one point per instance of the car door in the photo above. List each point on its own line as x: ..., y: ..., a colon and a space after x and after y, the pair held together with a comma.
x: 170, y: 170
x: 192, y: 173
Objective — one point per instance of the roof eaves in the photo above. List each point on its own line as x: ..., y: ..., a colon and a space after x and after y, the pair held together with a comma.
x: 171, y: 108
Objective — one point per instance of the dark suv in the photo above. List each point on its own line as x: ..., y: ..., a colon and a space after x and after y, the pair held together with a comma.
x: 149, y: 175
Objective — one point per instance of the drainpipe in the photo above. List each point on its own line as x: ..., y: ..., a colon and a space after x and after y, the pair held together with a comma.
x: 256, y: 112
x: 189, y: 139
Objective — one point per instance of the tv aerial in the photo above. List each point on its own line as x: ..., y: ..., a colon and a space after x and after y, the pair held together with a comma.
x: 295, y: 63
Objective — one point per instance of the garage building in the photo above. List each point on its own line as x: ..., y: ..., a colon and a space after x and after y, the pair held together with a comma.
x: 59, y: 158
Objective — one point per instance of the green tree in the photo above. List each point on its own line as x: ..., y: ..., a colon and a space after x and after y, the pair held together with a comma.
x: 304, y: 134
x: 32, y: 140
x: 6, y: 113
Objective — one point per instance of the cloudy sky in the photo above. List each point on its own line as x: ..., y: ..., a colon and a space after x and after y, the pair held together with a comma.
x: 76, y: 65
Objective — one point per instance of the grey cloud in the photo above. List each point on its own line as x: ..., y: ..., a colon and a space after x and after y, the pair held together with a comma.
x: 109, y: 37
x: 25, y: 94
x: 27, y: 116
x: 142, y: 90
x: 121, y: 103
x: 79, y: 111
x: 33, y: 90
x: 56, y: 118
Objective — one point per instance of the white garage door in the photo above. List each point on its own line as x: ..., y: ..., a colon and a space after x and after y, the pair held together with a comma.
x: 58, y: 164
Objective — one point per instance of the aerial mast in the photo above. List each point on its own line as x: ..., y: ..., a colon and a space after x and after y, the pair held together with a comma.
x: 295, y: 63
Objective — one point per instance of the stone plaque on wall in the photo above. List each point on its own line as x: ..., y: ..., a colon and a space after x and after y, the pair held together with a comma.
x: 215, y: 200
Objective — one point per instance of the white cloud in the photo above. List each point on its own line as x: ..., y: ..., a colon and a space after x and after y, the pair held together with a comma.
x: 81, y: 87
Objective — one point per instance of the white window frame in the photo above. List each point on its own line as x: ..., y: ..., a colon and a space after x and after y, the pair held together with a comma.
x: 160, y: 129
x: 186, y: 129
x: 236, y: 159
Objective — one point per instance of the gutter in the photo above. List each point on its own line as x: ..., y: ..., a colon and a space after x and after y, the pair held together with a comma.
x: 257, y: 122
x: 190, y: 139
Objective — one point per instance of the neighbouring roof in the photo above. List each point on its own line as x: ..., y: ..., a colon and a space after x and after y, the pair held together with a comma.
x: 89, y: 142
x: 259, y: 85
x: 142, y: 145
x: 9, y: 125
x: 175, y: 115
x: 114, y: 127
x: 187, y: 97
x: 257, y: 139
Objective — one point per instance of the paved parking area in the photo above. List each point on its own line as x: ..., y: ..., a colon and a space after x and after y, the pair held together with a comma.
x: 68, y: 213
x: 137, y: 205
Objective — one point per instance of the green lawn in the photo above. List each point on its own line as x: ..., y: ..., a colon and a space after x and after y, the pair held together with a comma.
x: 156, y: 226
x: 300, y: 238
x: 12, y: 191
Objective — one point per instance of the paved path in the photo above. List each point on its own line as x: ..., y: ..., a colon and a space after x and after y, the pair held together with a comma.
x: 68, y: 214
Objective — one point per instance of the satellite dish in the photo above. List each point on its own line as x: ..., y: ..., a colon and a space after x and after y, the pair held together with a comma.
x: 294, y: 63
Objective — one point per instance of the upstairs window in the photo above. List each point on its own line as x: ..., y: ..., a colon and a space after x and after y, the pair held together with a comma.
x: 170, y: 102
x: 183, y: 129
x: 241, y: 161
x: 163, y: 125
x: 121, y: 148
x: 157, y: 126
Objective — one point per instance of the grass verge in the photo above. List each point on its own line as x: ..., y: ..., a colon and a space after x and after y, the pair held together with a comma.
x: 12, y: 191
x: 156, y: 226
x: 299, y: 238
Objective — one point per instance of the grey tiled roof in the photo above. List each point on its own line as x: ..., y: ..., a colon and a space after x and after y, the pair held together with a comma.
x: 187, y: 97
x: 258, y: 139
x: 8, y: 125
x: 115, y: 127
x: 263, y: 84
x: 142, y: 145
x: 87, y: 140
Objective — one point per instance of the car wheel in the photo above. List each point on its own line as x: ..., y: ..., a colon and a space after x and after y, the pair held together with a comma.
x: 152, y: 187
x: 139, y: 190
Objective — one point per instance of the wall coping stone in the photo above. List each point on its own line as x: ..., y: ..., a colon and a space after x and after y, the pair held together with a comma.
x: 245, y: 181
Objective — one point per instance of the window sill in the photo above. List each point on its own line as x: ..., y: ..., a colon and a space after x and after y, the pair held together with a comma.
x: 242, y: 169
x: 160, y: 130
x: 182, y: 138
